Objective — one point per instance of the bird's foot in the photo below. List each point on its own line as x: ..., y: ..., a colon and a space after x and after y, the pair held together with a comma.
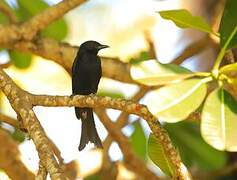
x: 72, y: 95
x: 91, y: 94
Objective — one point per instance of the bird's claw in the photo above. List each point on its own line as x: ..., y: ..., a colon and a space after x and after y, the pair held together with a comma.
x: 91, y: 94
x: 72, y: 95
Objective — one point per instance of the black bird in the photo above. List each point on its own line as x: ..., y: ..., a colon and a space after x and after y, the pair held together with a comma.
x: 86, y: 74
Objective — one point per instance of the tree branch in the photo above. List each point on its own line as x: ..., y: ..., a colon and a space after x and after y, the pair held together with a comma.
x: 191, y: 50
x: 21, y: 102
x: 9, y: 159
x: 35, y: 24
x: 5, y: 9
x: 119, y: 104
x: 28, y: 30
x: 134, y: 163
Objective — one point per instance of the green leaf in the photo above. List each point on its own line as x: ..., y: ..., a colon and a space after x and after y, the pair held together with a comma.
x: 57, y: 30
x: 18, y: 135
x: 229, y: 68
x: 184, y: 19
x: 143, y: 56
x: 193, y: 150
x: 3, y: 19
x: 175, y: 102
x: 112, y: 94
x: 219, y: 120
x: 153, y: 73
x: 20, y: 59
x: 157, y: 155
x: 229, y: 24
x: 138, y: 141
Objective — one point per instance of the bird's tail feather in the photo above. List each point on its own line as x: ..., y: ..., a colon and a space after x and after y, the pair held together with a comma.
x: 88, y: 129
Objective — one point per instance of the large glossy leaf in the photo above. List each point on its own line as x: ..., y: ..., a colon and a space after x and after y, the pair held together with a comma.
x: 184, y: 19
x: 230, y: 68
x: 219, y: 120
x: 152, y: 73
x: 157, y: 155
x: 20, y: 59
x: 193, y: 149
x: 138, y: 141
x: 57, y: 30
x: 175, y: 102
x: 229, y: 24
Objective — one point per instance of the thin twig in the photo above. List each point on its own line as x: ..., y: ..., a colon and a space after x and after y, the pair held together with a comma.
x: 7, y: 119
x: 191, y: 50
x: 4, y: 8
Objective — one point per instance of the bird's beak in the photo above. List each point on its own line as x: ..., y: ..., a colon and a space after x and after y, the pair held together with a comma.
x: 102, y: 47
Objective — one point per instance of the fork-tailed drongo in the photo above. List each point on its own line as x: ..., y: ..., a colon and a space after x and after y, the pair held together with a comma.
x: 86, y: 74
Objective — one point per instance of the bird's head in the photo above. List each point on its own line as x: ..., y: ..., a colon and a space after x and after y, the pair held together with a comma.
x: 92, y: 47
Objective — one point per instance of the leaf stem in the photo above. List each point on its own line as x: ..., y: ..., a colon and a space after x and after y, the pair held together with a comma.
x: 215, y: 70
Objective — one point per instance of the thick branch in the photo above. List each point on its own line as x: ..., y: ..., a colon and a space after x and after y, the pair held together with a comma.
x: 42, y: 172
x: 28, y: 30
x: 64, y: 54
x: 119, y: 104
x: 20, y: 101
x: 51, y: 14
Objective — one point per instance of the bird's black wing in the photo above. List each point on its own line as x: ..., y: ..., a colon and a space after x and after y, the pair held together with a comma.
x: 95, y: 75
x: 75, y: 77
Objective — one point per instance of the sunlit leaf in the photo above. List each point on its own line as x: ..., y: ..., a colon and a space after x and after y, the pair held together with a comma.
x: 219, y: 120
x: 229, y: 68
x: 157, y: 155
x: 229, y: 24
x: 175, y: 102
x: 184, y: 19
x: 154, y: 73
x: 20, y: 59
x: 57, y: 30
x: 138, y: 141
x: 193, y: 150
